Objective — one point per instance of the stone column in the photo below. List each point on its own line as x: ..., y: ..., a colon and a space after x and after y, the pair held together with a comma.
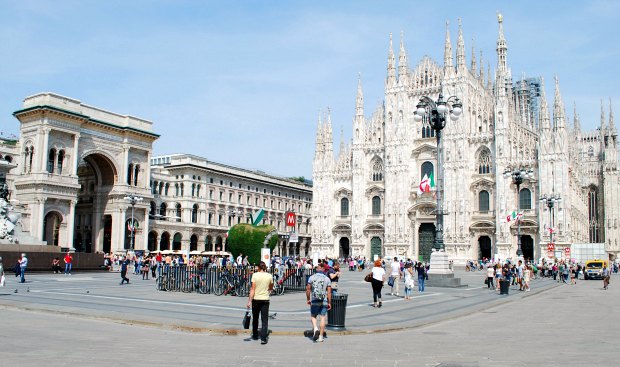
x: 44, y: 146
x: 146, y: 229
x: 118, y: 229
x: 71, y: 223
x: 76, y: 157
x: 125, y: 165
x: 37, y: 222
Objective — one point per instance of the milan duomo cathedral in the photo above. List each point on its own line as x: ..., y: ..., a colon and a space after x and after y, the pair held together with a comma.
x: 366, y: 201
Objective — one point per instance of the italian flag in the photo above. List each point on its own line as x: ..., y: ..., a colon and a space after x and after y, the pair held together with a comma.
x: 427, y: 184
x: 257, y: 217
x: 514, y: 216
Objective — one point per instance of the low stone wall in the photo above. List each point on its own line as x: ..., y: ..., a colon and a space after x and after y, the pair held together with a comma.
x: 42, y: 261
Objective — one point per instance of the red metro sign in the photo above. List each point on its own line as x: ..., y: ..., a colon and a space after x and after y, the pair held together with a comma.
x: 291, y: 219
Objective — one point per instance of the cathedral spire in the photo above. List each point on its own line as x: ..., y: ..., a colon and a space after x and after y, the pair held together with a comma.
x: 460, y: 49
x: 447, y: 50
x: 602, y: 118
x: 612, y: 125
x: 359, y: 100
x: 402, y: 58
x: 328, y: 138
x: 341, y: 149
x: 481, y: 72
x: 559, y: 116
x: 502, y: 49
x: 391, y: 69
x: 489, y: 81
x: 544, y: 109
x: 474, y: 66
x: 576, y: 123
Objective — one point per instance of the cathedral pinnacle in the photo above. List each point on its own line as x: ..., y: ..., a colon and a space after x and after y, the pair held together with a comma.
x: 402, y: 57
x: 502, y: 49
x: 544, y: 109
x: 602, y: 117
x: 460, y: 49
x: 612, y: 125
x: 559, y: 116
x: 576, y: 123
x: 474, y: 66
x: 359, y: 100
x: 447, y: 50
x: 391, y: 78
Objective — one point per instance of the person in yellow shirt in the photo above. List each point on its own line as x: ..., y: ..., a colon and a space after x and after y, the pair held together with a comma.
x: 262, y: 285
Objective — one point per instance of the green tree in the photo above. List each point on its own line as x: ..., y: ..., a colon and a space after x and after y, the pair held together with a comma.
x: 248, y: 239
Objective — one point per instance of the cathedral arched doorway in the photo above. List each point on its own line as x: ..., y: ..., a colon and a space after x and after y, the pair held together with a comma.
x: 527, y: 246
x: 218, y: 243
x: 209, y: 243
x: 375, y: 247
x: 426, y: 238
x: 485, y: 248
x: 344, y: 247
x: 97, y: 175
x: 51, y: 228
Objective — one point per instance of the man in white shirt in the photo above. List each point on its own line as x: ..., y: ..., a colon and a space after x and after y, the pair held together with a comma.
x: 240, y: 259
x: 396, y: 275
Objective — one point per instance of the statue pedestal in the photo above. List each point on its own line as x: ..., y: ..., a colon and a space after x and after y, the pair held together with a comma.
x: 440, y: 274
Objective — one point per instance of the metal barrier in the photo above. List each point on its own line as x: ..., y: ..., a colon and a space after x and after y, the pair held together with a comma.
x: 225, y: 280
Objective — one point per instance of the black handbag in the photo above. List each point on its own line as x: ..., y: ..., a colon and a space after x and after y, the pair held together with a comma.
x: 246, y: 320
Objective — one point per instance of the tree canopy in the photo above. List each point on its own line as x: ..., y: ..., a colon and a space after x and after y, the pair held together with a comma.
x: 248, y: 239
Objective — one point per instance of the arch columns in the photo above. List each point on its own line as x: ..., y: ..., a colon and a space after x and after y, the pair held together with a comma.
x: 71, y: 223
x: 118, y: 230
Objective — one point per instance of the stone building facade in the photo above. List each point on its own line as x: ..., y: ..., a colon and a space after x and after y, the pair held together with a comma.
x: 73, y: 166
x: 366, y: 200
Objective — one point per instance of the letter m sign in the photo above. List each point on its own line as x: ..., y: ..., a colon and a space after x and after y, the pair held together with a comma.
x: 291, y: 219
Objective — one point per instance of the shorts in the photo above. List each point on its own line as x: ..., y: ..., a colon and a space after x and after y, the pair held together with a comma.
x: 318, y: 309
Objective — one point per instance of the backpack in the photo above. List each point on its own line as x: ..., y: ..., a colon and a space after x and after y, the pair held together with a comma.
x: 319, y: 287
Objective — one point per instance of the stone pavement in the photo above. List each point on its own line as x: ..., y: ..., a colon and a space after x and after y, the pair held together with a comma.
x: 562, y: 326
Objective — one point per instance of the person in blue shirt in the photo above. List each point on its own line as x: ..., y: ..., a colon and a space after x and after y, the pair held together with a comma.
x: 124, y: 265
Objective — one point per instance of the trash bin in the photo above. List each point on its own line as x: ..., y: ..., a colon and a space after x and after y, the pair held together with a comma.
x: 338, y: 312
x: 504, y: 286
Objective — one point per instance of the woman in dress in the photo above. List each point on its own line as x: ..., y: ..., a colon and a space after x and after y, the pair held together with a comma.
x: 378, y: 278
x: 527, y: 276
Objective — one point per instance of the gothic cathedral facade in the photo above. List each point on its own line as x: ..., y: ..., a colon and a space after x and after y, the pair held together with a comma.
x: 366, y: 201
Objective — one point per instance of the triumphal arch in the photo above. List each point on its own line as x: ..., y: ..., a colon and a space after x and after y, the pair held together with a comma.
x: 78, y: 164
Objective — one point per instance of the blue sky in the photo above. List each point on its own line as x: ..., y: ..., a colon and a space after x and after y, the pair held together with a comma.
x: 243, y: 82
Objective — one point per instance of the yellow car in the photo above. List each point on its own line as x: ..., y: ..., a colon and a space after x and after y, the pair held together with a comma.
x: 594, y: 269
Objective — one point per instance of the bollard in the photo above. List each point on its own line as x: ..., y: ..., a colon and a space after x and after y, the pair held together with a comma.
x: 504, y: 287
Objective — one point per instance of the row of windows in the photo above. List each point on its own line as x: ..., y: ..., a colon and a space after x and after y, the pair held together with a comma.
x: 525, y: 202
x: 55, y: 160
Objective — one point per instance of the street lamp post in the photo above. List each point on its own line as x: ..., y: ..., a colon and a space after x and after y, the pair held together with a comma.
x: 437, y: 112
x: 550, y: 202
x: 518, y: 175
x: 133, y: 200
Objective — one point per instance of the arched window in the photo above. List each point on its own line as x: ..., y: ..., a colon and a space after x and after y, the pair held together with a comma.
x: 152, y: 210
x: 60, y: 161
x: 182, y: 186
x: 161, y: 188
x: 193, y: 243
x: 129, y: 173
x: 376, y: 167
x: 195, y: 213
x: 376, y: 205
x: 176, y: 189
x: 167, y: 187
x: 135, y: 176
x: 51, y: 158
x: 426, y: 169
x: 178, y: 212
x: 154, y: 187
x: 193, y: 189
x: 162, y: 211
x: 198, y: 190
x: 525, y: 199
x: 484, y: 161
x: 483, y: 201
x: 344, y: 207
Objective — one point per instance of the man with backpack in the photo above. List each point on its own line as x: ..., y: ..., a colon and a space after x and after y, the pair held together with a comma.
x: 319, y: 297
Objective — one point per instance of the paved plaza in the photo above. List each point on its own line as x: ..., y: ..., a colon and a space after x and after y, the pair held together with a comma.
x: 89, y: 318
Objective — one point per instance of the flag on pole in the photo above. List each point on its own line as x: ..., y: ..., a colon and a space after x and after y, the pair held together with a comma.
x: 424, y: 186
x: 514, y: 216
x: 431, y: 180
x: 257, y: 217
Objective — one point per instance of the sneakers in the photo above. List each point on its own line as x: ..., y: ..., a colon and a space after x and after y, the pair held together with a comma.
x: 315, y: 337
x: 254, y: 337
x: 263, y: 341
x: 320, y: 340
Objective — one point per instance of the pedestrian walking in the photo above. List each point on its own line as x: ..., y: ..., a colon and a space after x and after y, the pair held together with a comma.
x: 408, y: 281
x: 23, y: 264
x: 490, y: 276
x: 124, y: 265
x: 319, y: 297
x: 527, y: 277
x: 421, y: 270
x: 2, y: 278
x: 605, y: 275
x: 378, y: 278
x: 334, y: 276
x: 258, y: 301
x: 68, y: 263
x: 395, y: 277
